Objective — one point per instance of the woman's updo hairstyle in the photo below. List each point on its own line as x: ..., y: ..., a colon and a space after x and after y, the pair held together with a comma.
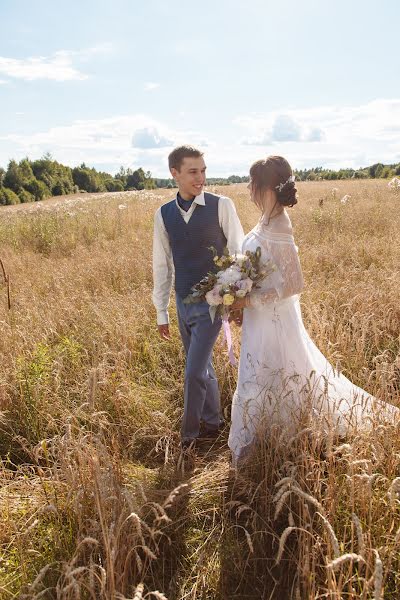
x: 273, y: 173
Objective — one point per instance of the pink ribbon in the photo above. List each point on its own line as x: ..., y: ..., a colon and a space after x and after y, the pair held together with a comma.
x: 228, y: 338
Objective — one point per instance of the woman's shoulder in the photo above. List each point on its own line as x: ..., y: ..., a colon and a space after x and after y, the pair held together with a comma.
x: 282, y: 224
x: 282, y: 228
x: 276, y: 229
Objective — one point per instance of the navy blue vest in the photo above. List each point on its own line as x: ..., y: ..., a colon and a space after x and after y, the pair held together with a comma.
x: 190, y: 242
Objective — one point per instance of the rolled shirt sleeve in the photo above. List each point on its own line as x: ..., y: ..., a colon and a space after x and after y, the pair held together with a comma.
x: 162, y: 269
x: 230, y: 224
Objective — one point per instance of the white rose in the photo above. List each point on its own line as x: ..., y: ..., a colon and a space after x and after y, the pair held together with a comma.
x: 245, y: 285
x: 241, y: 293
x: 240, y: 259
x: 230, y: 276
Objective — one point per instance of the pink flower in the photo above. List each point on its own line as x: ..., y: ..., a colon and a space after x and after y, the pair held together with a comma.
x: 213, y: 297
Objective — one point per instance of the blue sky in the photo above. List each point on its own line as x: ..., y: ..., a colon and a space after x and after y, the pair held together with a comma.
x: 121, y: 82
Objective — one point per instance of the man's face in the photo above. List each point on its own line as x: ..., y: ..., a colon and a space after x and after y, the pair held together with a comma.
x: 191, y: 177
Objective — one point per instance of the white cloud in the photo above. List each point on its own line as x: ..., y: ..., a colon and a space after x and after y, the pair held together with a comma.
x: 341, y: 136
x: 149, y: 137
x: 57, y: 67
x: 330, y: 136
x: 103, y: 135
x: 315, y: 135
x: 150, y: 86
x: 131, y: 140
x: 285, y: 129
x: 3, y: 81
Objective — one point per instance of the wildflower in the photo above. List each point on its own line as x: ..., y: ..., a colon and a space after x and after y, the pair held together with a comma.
x: 213, y: 297
x: 228, y: 299
x: 394, y: 183
x: 241, y: 259
x: 229, y: 276
x: 245, y: 285
x: 345, y: 199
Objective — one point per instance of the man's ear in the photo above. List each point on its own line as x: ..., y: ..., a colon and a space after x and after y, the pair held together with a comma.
x: 174, y: 172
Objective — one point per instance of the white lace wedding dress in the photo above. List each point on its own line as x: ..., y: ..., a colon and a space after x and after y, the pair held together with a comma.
x: 283, y: 378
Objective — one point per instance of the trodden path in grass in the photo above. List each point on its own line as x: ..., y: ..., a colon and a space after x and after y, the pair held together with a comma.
x: 219, y: 547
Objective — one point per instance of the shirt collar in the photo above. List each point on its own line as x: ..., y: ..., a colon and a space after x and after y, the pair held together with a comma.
x: 196, y: 200
x: 200, y: 199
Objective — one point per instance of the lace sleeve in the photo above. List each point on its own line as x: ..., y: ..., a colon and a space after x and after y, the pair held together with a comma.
x: 286, y: 280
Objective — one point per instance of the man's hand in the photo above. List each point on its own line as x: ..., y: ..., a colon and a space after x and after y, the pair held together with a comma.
x: 163, y: 330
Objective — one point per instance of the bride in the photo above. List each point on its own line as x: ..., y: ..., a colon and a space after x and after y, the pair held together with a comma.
x: 283, y: 378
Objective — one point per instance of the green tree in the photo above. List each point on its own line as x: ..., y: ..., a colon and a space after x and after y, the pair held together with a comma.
x: 150, y: 183
x: 234, y: 179
x: 58, y: 189
x: 18, y: 175
x: 136, y: 180
x: 386, y: 172
x: 25, y: 196
x: 114, y: 185
x: 375, y: 169
x: 361, y: 174
x: 8, y: 197
x: 85, y: 179
x: 164, y: 183
x: 38, y: 189
x: 57, y: 177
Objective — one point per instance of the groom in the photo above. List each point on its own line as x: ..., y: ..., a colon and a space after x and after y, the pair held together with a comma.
x: 184, y: 230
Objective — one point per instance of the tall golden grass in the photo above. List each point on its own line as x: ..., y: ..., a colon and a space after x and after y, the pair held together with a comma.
x: 95, y: 500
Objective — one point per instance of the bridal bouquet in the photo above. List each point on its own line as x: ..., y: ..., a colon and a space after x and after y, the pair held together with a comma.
x: 238, y: 275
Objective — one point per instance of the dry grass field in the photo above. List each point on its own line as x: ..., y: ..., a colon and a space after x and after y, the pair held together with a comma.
x: 95, y: 502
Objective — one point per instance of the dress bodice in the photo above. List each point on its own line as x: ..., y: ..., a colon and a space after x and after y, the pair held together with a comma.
x: 281, y: 250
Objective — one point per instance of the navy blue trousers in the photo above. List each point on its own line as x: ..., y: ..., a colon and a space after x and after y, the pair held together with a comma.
x: 201, y: 393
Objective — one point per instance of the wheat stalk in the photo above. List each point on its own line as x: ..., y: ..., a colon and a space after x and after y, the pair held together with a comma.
x: 332, y: 535
x: 6, y: 279
x: 341, y: 560
x: 360, y: 536
x: 378, y: 577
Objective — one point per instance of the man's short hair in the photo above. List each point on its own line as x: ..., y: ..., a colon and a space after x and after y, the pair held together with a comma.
x: 175, y: 159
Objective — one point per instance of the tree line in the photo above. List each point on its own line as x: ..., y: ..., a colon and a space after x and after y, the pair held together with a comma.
x: 30, y: 181
x: 376, y: 171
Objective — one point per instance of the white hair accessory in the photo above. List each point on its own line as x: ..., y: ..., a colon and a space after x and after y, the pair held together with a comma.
x: 280, y: 187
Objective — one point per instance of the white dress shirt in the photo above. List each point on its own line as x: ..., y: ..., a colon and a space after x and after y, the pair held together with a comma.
x: 163, y: 267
